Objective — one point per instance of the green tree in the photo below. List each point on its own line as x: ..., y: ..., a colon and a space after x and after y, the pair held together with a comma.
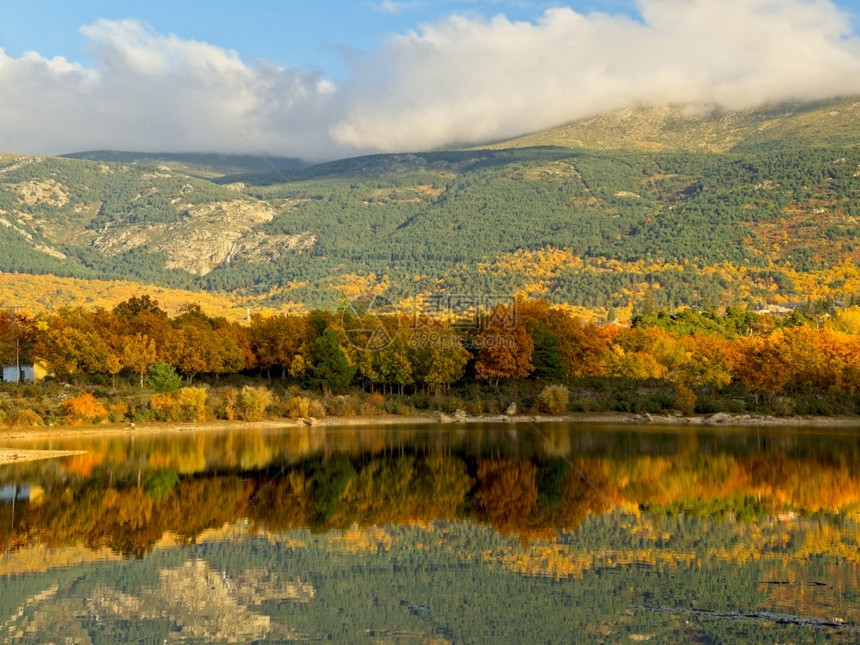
x: 162, y: 377
x: 547, y: 359
x: 331, y: 367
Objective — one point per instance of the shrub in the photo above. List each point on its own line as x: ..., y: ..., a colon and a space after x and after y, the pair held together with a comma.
x: 302, y: 407
x: 226, y: 403
x: 84, y: 409
x: 783, y: 406
x: 161, y: 377
x: 117, y: 412
x: 451, y: 404
x: 163, y: 407
x: 296, y: 407
x: 186, y: 404
x: 24, y: 418
x: 192, y: 403
x: 554, y: 399
x: 316, y: 409
x: 404, y: 410
x: 142, y: 414
x: 685, y: 400
x: 341, y: 406
x: 373, y: 405
x: 369, y: 410
x: 475, y: 406
x: 252, y: 402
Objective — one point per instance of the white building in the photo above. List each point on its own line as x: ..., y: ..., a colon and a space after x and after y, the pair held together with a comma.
x: 28, y: 373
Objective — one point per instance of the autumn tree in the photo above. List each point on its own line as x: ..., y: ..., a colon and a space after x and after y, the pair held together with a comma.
x: 439, y: 359
x: 192, y: 349
x: 393, y: 366
x: 139, y: 354
x: 199, y: 344
x: 762, y: 363
x: 503, y: 347
x: 142, y: 315
x: 639, y: 365
x: 71, y: 351
x: 276, y: 340
x: 558, y: 334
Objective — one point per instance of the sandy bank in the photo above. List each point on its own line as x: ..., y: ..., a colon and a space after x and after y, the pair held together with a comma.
x: 14, y: 435
x: 16, y: 456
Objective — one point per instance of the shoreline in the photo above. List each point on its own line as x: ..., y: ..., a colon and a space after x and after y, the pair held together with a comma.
x: 21, y: 455
x: 720, y: 419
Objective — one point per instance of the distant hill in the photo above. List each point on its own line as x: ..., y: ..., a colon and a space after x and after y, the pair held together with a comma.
x: 650, y: 207
x: 706, y: 129
x: 197, y: 165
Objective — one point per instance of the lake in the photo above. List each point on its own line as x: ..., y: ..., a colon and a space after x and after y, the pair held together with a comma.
x: 504, y: 533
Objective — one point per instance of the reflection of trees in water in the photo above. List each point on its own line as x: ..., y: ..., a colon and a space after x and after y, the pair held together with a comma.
x: 125, y: 493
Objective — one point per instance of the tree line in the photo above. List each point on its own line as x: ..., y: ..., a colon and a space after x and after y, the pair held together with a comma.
x: 401, y: 352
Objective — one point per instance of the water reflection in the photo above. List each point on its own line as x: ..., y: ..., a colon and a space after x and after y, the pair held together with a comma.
x: 268, y: 530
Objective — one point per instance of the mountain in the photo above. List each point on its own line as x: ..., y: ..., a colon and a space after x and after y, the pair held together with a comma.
x: 707, y: 129
x: 201, y: 165
x: 657, y: 206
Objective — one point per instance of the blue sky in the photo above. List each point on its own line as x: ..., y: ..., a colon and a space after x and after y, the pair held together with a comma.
x: 334, y: 78
x: 289, y: 32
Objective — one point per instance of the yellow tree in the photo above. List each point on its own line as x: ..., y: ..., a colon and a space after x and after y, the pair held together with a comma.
x: 139, y: 354
x: 191, y: 349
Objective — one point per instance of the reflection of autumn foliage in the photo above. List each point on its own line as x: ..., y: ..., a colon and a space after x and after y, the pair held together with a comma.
x: 204, y: 504
x: 100, y: 501
x: 283, y: 504
x: 580, y: 496
x: 129, y: 520
x: 557, y: 561
x: 507, y: 491
x: 83, y: 464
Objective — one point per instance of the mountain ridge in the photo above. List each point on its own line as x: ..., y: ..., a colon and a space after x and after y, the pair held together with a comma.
x: 703, y: 128
x: 775, y: 196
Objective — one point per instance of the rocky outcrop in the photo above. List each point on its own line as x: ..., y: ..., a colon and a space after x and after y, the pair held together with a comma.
x: 208, y: 236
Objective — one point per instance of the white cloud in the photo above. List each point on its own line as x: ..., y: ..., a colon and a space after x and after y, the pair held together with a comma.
x: 464, y: 79
x: 393, y: 7
x: 461, y: 79
x: 150, y: 92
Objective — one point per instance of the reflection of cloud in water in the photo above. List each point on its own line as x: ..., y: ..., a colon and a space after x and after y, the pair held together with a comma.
x: 202, y: 604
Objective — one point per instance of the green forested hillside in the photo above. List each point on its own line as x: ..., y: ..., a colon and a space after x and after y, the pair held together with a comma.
x: 764, y: 210
x: 204, y: 165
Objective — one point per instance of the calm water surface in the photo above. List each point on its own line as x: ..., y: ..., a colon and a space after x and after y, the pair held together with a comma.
x: 553, y: 533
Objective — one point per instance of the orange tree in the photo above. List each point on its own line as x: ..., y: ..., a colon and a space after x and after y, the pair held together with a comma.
x: 503, y: 346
